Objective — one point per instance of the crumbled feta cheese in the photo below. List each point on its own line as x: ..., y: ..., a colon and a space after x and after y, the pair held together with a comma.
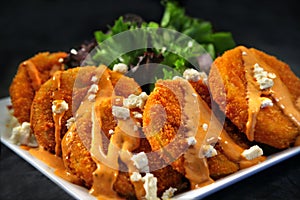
x: 137, y: 115
x: 92, y: 97
x: 190, y: 44
x: 94, y: 79
x: 194, y: 75
x: 135, y: 176
x: 59, y: 106
x: 252, y: 153
x: 70, y: 122
x: 263, y: 78
x: 60, y: 60
x: 120, y: 112
x: 150, y: 186
x: 121, y: 68
x: 204, y: 126
x: 163, y: 49
x: 73, y: 51
x: 135, y: 101
x: 111, y: 132
x: 244, y: 53
x: 266, y: 102
x: 140, y: 160
x: 168, y: 193
x: 265, y: 83
x: 21, y: 135
x: 272, y: 75
x: 191, y: 141
x: 93, y: 89
x: 209, y: 151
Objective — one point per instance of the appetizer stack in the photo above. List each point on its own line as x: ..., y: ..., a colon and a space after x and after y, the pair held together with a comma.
x: 121, y: 141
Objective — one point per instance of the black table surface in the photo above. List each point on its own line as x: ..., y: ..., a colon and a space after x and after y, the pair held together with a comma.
x: 29, y: 27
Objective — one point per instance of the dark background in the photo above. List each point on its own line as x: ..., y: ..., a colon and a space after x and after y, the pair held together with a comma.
x: 29, y: 27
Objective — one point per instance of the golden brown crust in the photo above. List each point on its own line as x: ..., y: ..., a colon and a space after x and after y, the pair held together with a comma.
x: 42, y: 121
x: 291, y: 81
x: 228, y: 86
x: 77, y: 159
x: 162, y: 127
x: 31, y: 74
x: 220, y: 166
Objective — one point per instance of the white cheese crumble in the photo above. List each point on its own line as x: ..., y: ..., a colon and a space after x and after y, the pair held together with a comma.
x: 70, y: 122
x: 121, y: 68
x: 120, y: 112
x: 209, y: 151
x: 93, y: 89
x: 136, y: 101
x: 21, y: 135
x: 59, y: 106
x: 94, y: 79
x: 194, y: 75
x: 191, y: 141
x: 73, y: 51
x: 137, y: 115
x: 140, y: 160
x: 168, y: 193
x: 60, y: 60
x: 244, y: 53
x: 266, y: 102
x: 150, y: 186
x: 135, y: 176
x: 263, y: 78
x: 92, y: 97
x: 252, y: 153
x: 204, y: 126
x: 111, y: 132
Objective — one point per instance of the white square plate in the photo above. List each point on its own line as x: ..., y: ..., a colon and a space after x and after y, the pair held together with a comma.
x: 79, y: 192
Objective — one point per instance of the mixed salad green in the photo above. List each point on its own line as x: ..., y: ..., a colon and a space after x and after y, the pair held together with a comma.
x: 174, y: 18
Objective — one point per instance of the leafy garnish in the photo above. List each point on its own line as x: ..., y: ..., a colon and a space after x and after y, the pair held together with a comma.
x: 175, y: 50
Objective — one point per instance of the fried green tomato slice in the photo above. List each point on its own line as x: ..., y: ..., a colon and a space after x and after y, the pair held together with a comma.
x: 31, y: 74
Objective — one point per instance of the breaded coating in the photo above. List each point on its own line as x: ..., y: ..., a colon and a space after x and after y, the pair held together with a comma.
x: 229, y: 86
x: 77, y: 159
x: 58, y: 88
x: 122, y: 86
x: 31, y: 74
x: 220, y: 166
x: 163, y: 125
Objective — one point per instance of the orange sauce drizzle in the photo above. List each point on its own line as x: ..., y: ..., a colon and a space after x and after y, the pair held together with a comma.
x: 54, y: 162
x: 278, y: 91
x: 57, y: 117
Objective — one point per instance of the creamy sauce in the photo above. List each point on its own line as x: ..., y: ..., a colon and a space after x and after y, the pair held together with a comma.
x: 195, y: 163
x: 122, y: 143
x: 278, y: 91
x: 196, y: 168
x: 253, y: 94
x: 57, y: 117
x: 54, y: 162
